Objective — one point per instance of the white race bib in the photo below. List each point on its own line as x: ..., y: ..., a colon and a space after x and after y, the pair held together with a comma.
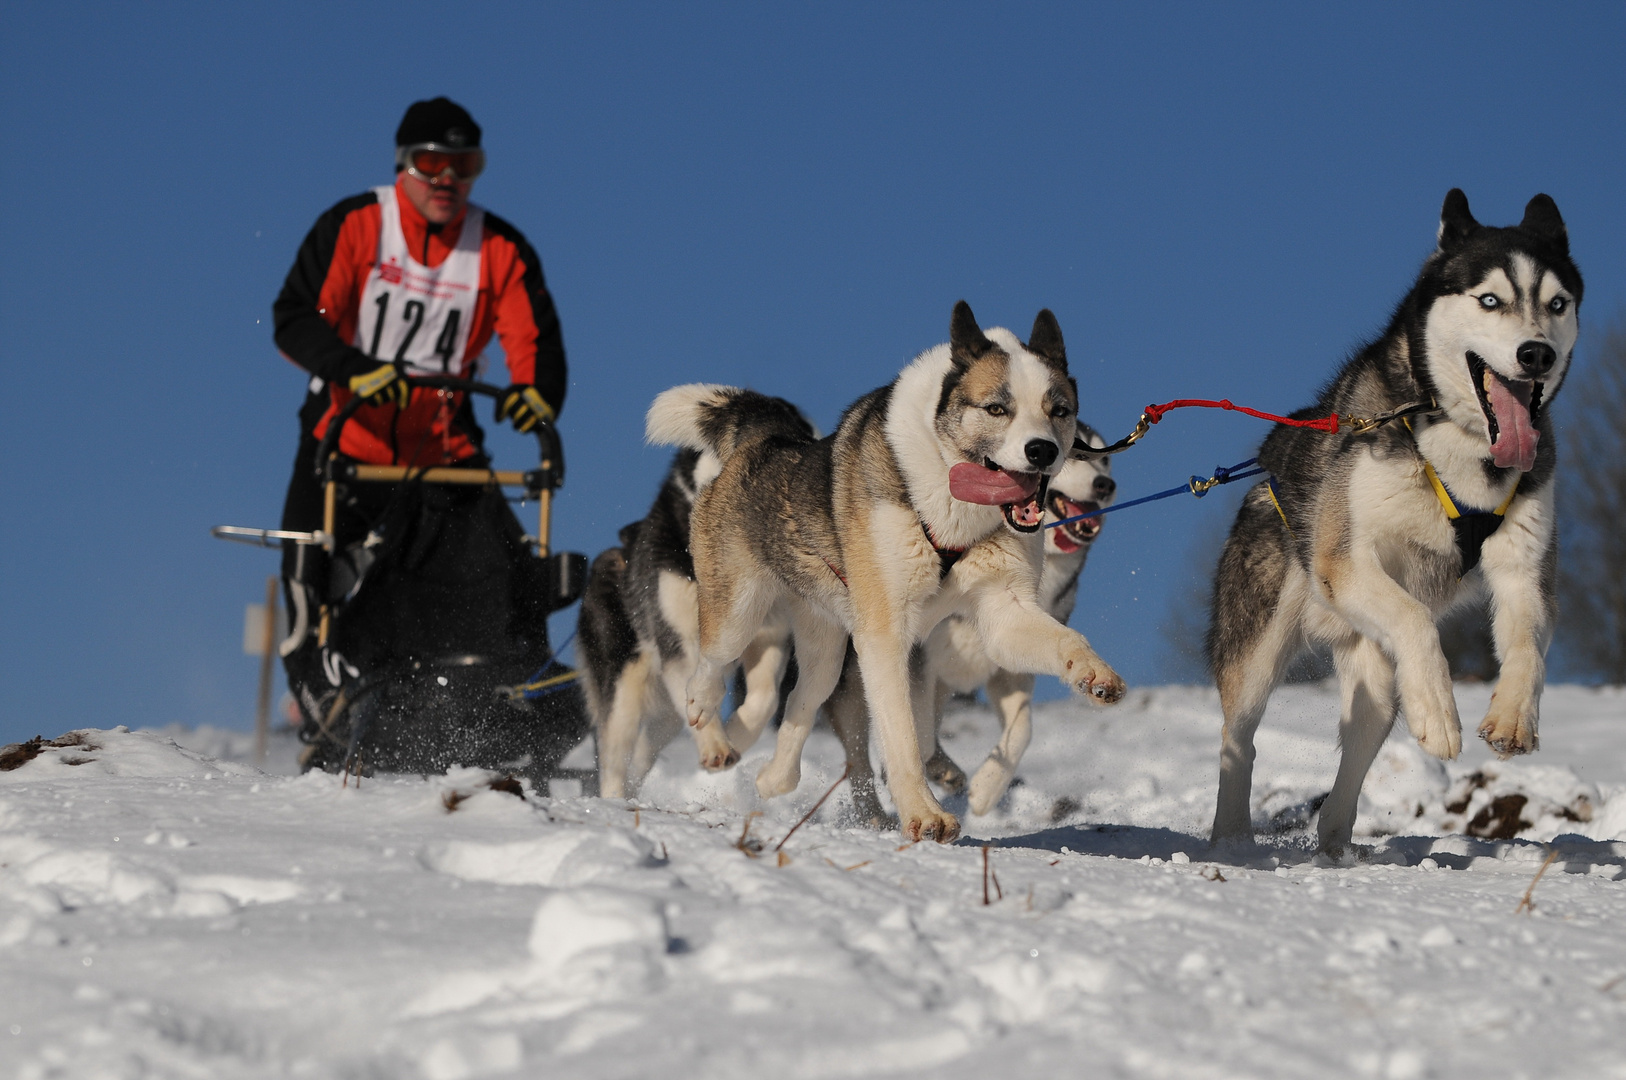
x: 411, y: 313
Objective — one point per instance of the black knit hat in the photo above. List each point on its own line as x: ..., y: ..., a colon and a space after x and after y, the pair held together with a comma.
x: 438, y: 120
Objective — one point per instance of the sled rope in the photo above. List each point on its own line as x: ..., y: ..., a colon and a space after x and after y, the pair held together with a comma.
x: 1197, y: 486
x: 1332, y: 425
x: 537, y: 686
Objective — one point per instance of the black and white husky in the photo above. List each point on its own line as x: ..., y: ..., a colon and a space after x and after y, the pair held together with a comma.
x: 953, y: 660
x: 639, y: 637
x: 1365, y: 540
x: 925, y: 502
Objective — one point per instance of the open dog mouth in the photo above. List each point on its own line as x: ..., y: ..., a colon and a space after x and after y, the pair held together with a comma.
x: 1015, y: 493
x: 1510, y: 414
x: 1075, y: 534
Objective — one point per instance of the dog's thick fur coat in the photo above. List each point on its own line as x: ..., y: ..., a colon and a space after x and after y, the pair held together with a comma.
x: 640, y: 639
x: 847, y: 535
x: 1361, y: 554
x: 953, y: 660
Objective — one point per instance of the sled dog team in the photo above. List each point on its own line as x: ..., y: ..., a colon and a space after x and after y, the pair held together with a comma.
x: 904, y: 556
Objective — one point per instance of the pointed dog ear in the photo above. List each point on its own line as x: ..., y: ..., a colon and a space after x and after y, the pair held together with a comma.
x: 1456, y: 220
x: 1541, y: 217
x: 1045, y: 341
x: 965, y: 336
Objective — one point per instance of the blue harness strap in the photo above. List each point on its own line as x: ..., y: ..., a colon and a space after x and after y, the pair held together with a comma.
x: 1471, y: 526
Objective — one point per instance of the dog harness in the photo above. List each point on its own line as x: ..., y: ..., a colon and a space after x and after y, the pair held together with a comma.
x: 1472, y: 527
x: 946, y: 556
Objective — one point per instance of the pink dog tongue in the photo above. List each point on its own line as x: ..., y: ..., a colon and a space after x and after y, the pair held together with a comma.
x: 1516, y: 438
x: 990, y: 487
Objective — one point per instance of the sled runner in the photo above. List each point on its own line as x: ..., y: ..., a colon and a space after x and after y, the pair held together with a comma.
x: 419, y: 611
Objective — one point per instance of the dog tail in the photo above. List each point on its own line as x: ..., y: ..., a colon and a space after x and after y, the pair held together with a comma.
x: 722, y: 419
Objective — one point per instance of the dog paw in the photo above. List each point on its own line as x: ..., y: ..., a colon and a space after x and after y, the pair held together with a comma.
x: 718, y: 760
x: 773, y: 782
x: 715, y: 752
x: 988, y: 786
x: 949, y: 776
x: 928, y: 821
x: 1090, y: 675
x: 1509, y: 727
x: 942, y: 826
x: 1431, y: 715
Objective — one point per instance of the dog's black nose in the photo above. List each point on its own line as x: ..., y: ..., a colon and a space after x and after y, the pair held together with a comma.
x: 1041, y: 452
x: 1104, y: 486
x: 1537, y: 357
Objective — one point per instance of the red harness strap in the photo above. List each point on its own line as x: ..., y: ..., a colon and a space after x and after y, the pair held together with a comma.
x: 1154, y: 413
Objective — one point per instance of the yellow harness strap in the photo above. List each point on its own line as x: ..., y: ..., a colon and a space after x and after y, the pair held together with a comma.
x: 1270, y: 489
x: 1450, y: 504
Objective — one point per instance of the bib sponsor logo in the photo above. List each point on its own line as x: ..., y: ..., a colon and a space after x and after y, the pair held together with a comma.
x: 417, y: 315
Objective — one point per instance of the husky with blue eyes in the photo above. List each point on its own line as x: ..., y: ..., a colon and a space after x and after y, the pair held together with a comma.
x: 1365, y: 540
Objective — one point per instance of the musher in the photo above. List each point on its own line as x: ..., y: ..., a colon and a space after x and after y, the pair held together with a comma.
x: 411, y: 279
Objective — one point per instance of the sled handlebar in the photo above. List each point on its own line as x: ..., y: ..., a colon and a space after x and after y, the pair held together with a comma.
x: 549, y: 474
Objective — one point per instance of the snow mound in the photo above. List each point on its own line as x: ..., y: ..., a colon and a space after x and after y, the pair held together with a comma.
x: 113, y: 752
x: 565, y: 855
x: 579, y: 924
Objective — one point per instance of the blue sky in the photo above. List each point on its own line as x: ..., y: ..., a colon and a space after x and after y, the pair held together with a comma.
x: 1215, y: 200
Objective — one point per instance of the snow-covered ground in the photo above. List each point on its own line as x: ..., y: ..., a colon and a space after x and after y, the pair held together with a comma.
x: 175, y: 912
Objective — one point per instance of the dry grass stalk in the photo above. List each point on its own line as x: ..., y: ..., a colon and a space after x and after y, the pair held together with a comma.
x: 1527, y: 905
x: 810, y: 813
x: 749, y: 845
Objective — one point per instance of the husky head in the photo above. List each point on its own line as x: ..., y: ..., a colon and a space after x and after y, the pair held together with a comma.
x: 1084, y: 485
x: 1005, y: 415
x: 1500, y: 325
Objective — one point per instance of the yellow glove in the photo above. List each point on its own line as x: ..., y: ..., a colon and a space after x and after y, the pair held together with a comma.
x: 381, y: 386
x: 523, y: 407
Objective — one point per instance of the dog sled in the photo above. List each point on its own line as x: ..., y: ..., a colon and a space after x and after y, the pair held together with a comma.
x: 418, y: 614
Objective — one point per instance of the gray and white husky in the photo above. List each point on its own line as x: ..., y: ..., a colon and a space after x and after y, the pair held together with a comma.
x: 953, y: 660
x: 1365, y: 540
x: 639, y: 638
x: 925, y: 502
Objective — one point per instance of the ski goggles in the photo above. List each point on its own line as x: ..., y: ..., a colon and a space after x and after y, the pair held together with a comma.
x: 430, y: 162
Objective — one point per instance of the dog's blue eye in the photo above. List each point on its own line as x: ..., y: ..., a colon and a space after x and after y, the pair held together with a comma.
x: 1489, y: 301
x: 1557, y: 305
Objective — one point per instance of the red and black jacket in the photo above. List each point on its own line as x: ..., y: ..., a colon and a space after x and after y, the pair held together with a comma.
x: 315, y: 319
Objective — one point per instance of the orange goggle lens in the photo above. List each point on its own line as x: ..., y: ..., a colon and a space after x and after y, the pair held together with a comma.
x: 465, y: 164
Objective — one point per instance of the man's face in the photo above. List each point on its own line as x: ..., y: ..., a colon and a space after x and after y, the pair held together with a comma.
x: 440, y: 200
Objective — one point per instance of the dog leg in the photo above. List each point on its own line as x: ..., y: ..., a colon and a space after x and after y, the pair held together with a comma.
x: 821, y: 645
x: 1519, y: 571
x: 883, y: 659
x: 732, y: 611
x: 764, y: 666
x: 715, y: 752
x: 1012, y: 694
x: 1366, y: 680
x: 661, y: 726
x: 1019, y: 635
x: 849, y: 716
x: 1376, y: 605
x: 940, y: 768
x: 620, y: 728
x: 1246, y: 675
